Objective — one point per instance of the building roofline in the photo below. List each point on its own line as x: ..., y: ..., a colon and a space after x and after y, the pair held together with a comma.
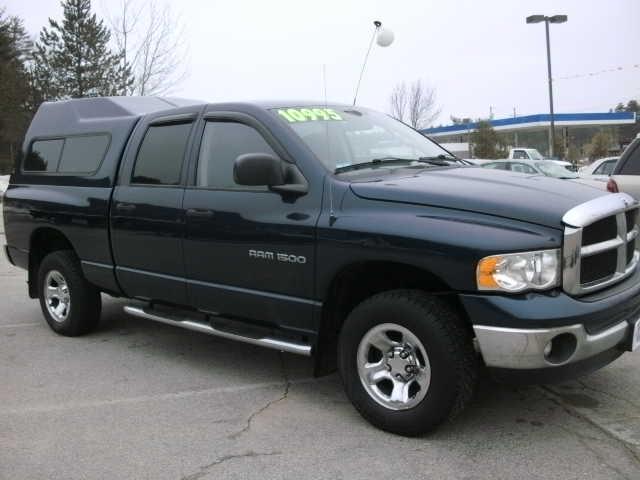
x: 539, y: 120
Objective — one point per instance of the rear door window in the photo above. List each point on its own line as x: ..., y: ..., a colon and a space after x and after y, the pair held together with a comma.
x: 161, y: 155
x: 44, y: 156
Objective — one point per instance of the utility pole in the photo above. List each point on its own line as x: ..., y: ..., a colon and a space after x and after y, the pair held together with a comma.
x: 515, y: 139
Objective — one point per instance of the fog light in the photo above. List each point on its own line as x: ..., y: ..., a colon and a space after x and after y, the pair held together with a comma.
x: 560, y: 348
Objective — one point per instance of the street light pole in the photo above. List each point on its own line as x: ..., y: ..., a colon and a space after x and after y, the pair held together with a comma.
x: 552, y: 125
x: 547, y: 21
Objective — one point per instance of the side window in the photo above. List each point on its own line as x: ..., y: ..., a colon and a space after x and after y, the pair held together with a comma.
x: 605, y: 168
x: 522, y: 168
x: 83, y: 153
x: 519, y: 155
x: 632, y: 164
x: 160, y: 158
x: 44, y: 156
x: 222, y: 143
x: 496, y: 165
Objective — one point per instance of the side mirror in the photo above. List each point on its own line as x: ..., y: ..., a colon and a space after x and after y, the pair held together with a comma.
x: 259, y: 169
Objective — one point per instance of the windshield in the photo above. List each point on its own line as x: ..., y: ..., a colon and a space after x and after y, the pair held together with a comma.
x: 535, y: 155
x: 551, y: 169
x: 344, y: 136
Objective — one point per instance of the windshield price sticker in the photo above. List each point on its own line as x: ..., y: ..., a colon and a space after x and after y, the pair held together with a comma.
x: 293, y: 115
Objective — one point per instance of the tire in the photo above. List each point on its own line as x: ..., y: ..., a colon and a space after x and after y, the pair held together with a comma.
x: 72, y: 305
x: 442, y: 361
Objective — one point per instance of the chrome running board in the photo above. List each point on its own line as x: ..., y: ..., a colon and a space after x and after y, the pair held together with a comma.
x: 282, y: 345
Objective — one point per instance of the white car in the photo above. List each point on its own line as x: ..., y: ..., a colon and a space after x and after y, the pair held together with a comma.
x: 4, y: 183
x: 626, y: 174
x: 599, y: 169
x: 548, y: 168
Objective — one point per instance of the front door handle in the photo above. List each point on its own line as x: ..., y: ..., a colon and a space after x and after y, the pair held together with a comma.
x: 199, y: 212
x: 125, y: 207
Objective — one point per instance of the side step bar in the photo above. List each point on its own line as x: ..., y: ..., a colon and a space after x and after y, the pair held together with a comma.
x: 282, y: 345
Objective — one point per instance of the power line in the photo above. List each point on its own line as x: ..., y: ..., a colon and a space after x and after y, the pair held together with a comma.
x: 599, y: 72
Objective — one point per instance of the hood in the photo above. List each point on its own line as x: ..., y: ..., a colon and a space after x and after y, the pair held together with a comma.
x: 530, y: 198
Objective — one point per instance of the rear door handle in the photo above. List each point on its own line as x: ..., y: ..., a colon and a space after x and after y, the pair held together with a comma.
x: 125, y: 207
x: 199, y: 212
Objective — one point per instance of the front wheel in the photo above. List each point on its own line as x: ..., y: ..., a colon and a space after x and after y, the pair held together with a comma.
x: 70, y: 304
x: 407, y: 361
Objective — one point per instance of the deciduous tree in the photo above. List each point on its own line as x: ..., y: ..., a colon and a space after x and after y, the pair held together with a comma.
x: 414, y: 105
x: 151, y: 39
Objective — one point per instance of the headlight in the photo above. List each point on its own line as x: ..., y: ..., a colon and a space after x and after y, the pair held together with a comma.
x: 515, y: 272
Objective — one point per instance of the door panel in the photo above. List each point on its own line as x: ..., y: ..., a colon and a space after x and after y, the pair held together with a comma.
x: 147, y: 218
x: 252, y: 258
x: 249, y: 252
x: 148, y: 229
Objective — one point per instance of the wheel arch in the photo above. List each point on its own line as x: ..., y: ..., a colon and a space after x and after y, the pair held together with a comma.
x: 358, y: 281
x: 43, y: 241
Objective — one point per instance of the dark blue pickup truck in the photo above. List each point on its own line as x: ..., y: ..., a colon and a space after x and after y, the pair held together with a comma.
x: 325, y: 230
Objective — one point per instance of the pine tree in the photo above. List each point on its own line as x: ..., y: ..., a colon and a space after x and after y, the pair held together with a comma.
x: 16, y: 102
x: 73, y: 59
x: 486, y: 142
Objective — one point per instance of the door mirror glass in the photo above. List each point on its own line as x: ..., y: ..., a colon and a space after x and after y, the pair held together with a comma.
x: 259, y: 169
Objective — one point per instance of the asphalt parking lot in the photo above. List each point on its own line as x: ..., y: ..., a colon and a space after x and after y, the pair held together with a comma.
x: 140, y: 400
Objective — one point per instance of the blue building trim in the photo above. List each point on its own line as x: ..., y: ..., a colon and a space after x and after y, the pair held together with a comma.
x: 577, y: 118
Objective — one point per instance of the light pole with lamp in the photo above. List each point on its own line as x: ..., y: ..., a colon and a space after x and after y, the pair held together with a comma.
x: 547, y: 21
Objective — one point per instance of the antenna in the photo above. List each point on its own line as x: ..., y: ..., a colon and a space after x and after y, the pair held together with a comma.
x: 332, y: 216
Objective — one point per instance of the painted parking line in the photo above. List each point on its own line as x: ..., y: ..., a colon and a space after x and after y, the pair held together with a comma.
x: 60, y: 407
x: 19, y: 325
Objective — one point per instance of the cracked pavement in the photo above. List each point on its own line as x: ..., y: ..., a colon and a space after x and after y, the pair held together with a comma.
x: 142, y: 400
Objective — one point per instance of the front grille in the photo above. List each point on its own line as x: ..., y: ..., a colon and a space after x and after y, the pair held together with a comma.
x: 600, y: 231
x: 598, y: 268
x: 600, y: 243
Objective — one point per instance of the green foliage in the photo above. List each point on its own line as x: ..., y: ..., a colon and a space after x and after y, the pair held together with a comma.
x: 558, y: 145
x: 486, y: 143
x: 599, y: 145
x: 72, y: 58
x: 16, y: 96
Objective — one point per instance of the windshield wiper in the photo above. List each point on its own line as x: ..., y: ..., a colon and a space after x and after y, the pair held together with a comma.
x: 440, y: 160
x: 374, y: 163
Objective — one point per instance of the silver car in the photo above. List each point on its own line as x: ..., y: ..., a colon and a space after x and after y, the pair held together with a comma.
x: 548, y: 168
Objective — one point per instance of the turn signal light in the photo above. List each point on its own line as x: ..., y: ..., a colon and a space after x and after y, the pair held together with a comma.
x: 485, y: 271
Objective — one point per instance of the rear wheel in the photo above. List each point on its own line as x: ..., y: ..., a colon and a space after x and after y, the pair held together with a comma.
x: 70, y: 304
x: 407, y: 361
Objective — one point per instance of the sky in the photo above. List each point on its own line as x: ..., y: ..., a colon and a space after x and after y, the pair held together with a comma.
x: 478, y: 55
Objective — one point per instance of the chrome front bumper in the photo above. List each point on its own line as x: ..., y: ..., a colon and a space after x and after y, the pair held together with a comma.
x: 521, y: 349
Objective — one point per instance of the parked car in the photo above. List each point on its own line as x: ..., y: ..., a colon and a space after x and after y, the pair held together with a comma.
x: 599, y: 169
x: 287, y: 225
x: 626, y: 173
x: 548, y: 168
x: 525, y: 154
x: 568, y: 165
x: 4, y: 183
